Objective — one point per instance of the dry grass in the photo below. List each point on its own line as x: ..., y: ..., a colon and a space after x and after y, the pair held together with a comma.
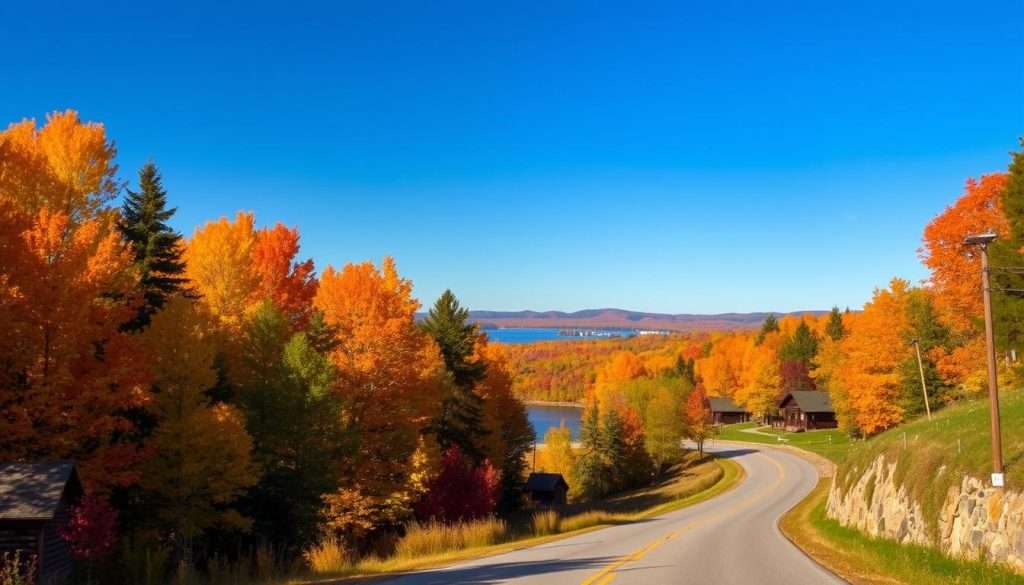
x: 437, y: 538
x: 433, y: 545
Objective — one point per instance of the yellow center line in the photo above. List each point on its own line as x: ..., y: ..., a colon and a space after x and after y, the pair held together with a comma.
x: 605, y: 575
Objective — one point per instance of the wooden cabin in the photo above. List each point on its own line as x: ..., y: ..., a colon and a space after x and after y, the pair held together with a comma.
x: 723, y: 411
x: 35, y: 505
x: 804, y: 410
x: 546, y: 489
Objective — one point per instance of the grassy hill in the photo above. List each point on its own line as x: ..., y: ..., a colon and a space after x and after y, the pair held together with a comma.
x: 934, y: 455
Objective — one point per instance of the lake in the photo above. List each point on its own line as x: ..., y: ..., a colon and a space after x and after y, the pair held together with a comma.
x: 533, y: 334
x: 544, y: 417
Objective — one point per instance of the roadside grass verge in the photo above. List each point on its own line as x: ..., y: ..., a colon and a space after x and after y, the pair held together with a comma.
x: 832, y: 444
x: 863, y: 560
x: 434, y: 545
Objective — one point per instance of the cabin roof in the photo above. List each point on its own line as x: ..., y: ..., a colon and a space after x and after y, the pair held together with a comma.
x: 33, y: 491
x: 545, y: 482
x: 722, y: 404
x: 809, y: 400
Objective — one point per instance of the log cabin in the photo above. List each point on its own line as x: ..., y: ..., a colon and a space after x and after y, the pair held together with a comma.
x: 804, y: 410
x: 723, y: 411
x: 35, y: 505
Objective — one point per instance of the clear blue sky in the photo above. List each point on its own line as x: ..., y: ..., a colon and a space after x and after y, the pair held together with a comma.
x: 707, y: 157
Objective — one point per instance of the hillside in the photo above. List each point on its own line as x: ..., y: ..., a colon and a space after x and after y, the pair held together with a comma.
x: 624, y: 319
x: 927, y: 483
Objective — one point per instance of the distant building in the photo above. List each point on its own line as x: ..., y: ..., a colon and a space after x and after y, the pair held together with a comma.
x: 546, y: 489
x: 803, y: 410
x: 35, y: 504
x: 723, y: 411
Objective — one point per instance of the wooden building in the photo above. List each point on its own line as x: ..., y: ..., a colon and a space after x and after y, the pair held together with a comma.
x: 804, y: 410
x: 35, y: 503
x: 723, y: 411
x: 546, y: 489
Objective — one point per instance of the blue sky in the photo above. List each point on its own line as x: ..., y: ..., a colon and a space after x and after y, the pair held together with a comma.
x: 702, y: 157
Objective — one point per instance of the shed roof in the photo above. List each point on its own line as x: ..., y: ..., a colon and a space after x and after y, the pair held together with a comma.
x: 33, y: 491
x: 809, y: 400
x: 722, y: 404
x: 545, y: 482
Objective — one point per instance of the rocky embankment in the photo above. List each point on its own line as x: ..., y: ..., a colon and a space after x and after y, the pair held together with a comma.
x: 974, y: 520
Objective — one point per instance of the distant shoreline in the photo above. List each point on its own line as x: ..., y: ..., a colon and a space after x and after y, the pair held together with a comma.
x: 550, y: 403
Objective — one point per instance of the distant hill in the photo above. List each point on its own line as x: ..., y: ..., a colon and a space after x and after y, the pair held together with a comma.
x: 622, y: 319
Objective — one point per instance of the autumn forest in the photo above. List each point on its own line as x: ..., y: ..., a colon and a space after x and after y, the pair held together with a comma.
x: 226, y: 401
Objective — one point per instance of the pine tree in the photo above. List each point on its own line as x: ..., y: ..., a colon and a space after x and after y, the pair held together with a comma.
x: 1008, y: 309
x: 591, y: 472
x: 157, y: 247
x: 801, y: 347
x: 460, y: 421
x: 613, y: 449
x: 770, y: 324
x: 930, y: 333
x: 835, y: 328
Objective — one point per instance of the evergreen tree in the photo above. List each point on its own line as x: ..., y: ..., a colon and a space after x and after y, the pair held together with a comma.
x: 591, y: 472
x: 770, y: 324
x: 835, y: 328
x: 613, y: 449
x: 460, y: 421
x: 686, y: 370
x: 800, y: 347
x: 1008, y: 308
x: 156, y: 246
x: 929, y: 333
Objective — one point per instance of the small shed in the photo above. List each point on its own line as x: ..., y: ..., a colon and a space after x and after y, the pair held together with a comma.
x: 546, y: 489
x: 35, y: 504
x: 723, y: 411
x: 804, y: 410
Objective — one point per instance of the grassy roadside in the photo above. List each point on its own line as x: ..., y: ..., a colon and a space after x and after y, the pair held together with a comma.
x: 832, y: 444
x: 715, y: 477
x: 863, y: 560
x: 956, y: 439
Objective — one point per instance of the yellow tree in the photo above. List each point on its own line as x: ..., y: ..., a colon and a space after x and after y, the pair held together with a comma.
x: 390, y: 376
x: 220, y: 266
x: 67, y: 372
x: 201, y: 452
x: 874, y: 350
x: 622, y: 367
x: 66, y: 167
x: 760, y: 380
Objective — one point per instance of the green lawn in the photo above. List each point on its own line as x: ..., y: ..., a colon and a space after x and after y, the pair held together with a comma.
x: 831, y: 444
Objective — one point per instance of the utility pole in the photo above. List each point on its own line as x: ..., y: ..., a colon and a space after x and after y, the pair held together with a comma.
x: 982, y: 241
x: 924, y: 387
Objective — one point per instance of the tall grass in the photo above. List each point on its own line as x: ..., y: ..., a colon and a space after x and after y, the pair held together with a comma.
x: 16, y: 569
x: 328, y: 557
x: 435, y: 538
x: 545, y: 522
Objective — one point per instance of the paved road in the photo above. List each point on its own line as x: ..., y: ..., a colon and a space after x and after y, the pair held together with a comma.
x: 730, y: 539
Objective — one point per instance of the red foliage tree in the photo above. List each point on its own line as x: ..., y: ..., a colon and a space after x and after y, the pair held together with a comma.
x: 795, y: 376
x: 91, y: 530
x: 460, y: 492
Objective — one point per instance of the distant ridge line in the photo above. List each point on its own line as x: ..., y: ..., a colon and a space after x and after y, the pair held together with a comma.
x: 625, y: 319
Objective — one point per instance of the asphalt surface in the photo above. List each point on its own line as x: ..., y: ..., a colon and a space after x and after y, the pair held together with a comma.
x: 732, y: 538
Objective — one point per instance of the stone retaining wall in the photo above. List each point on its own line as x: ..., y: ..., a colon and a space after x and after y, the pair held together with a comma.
x: 976, y: 521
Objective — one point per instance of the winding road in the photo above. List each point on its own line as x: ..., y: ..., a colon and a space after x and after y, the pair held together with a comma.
x: 732, y: 538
